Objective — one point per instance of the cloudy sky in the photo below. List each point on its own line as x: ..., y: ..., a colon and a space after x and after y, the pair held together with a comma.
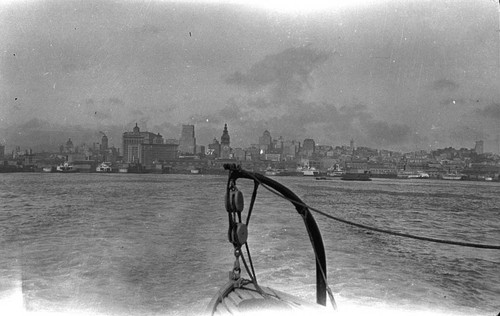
x: 389, y: 74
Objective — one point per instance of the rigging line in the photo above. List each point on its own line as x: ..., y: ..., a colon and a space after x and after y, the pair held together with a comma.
x: 253, y: 277
x: 251, y: 263
x: 385, y: 231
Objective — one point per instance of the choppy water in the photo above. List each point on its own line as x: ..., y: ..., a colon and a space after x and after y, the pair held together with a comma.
x: 129, y: 244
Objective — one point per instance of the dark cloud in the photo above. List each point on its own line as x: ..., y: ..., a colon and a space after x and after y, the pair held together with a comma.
x: 285, y: 74
x: 491, y: 111
x: 107, y: 62
x: 444, y: 84
x: 465, y: 133
x: 381, y: 132
x: 322, y: 121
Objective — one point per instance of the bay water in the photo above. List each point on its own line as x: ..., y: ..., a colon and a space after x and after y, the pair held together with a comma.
x: 156, y: 244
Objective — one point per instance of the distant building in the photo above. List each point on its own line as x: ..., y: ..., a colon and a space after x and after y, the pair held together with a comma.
x: 278, y: 145
x: 69, y: 146
x: 187, y: 142
x: 479, y: 149
x: 2, y: 152
x: 239, y: 154
x: 104, y: 142
x: 214, y: 149
x: 290, y: 149
x: 308, y: 147
x: 146, y: 148
x: 225, y: 144
x: 200, y: 150
x: 265, y: 141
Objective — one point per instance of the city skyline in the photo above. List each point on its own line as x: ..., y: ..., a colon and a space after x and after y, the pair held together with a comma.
x: 390, y: 74
x: 265, y: 143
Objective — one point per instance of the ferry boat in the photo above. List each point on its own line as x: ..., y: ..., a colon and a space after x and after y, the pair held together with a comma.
x: 48, y: 169
x: 413, y: 175
x: 66, y: 168
x: 452, y: 176
x: 104, y: 167
x: 247, y: 296
x: 335, y: 171
x: 309, y: 172
x: 273, y: 172
x: 355, y: 174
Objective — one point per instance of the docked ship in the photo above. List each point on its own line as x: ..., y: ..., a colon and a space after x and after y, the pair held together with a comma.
x: 413, y: 175
x: 49, y: 169
x: 309, y: 171
x: 354, y: 174
x: 104, y: 167
x: 66, y: 168
x: 452, y: 176
x: 335, y: 171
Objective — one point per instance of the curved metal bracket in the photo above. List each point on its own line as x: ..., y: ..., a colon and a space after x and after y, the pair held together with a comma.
x: 312, y: 228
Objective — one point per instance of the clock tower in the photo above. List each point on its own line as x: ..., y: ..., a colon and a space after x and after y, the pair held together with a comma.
x: 224, y: 144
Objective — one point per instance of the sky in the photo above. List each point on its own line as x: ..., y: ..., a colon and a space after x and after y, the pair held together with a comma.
x: 398, y: 75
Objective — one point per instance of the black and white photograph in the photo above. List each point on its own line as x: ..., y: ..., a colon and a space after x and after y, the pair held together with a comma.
x: 239, y: 157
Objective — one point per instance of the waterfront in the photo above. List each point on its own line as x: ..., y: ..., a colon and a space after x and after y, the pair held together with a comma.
x: 136, y: 244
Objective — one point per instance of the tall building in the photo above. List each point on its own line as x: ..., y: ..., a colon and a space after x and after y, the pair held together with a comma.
x: 265, y: 141
x: 187, y: 142
x: 290, y: 149
x: 104, y: 142
x: 146, y: 148
x: 69, y: 146
x: 479, y: 149
x: 2, y: 153
x: 308, y: 147
x: 225, y: 143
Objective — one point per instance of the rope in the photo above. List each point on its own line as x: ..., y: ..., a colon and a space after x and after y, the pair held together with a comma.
x: 385, y: 231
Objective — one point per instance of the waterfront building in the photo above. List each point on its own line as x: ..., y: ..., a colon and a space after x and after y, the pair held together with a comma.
x: 214, y: 149
x: 273, y: 157
x: 225, y: 144
x: 253, y: 153
x: 290, y: 149
x: 146, y: 148
x: 239, y: 154
x: 308, y: 147
x: 278, y: 145
x: 200, y: 150
x: 2, y: 152
x: 187, y: 142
